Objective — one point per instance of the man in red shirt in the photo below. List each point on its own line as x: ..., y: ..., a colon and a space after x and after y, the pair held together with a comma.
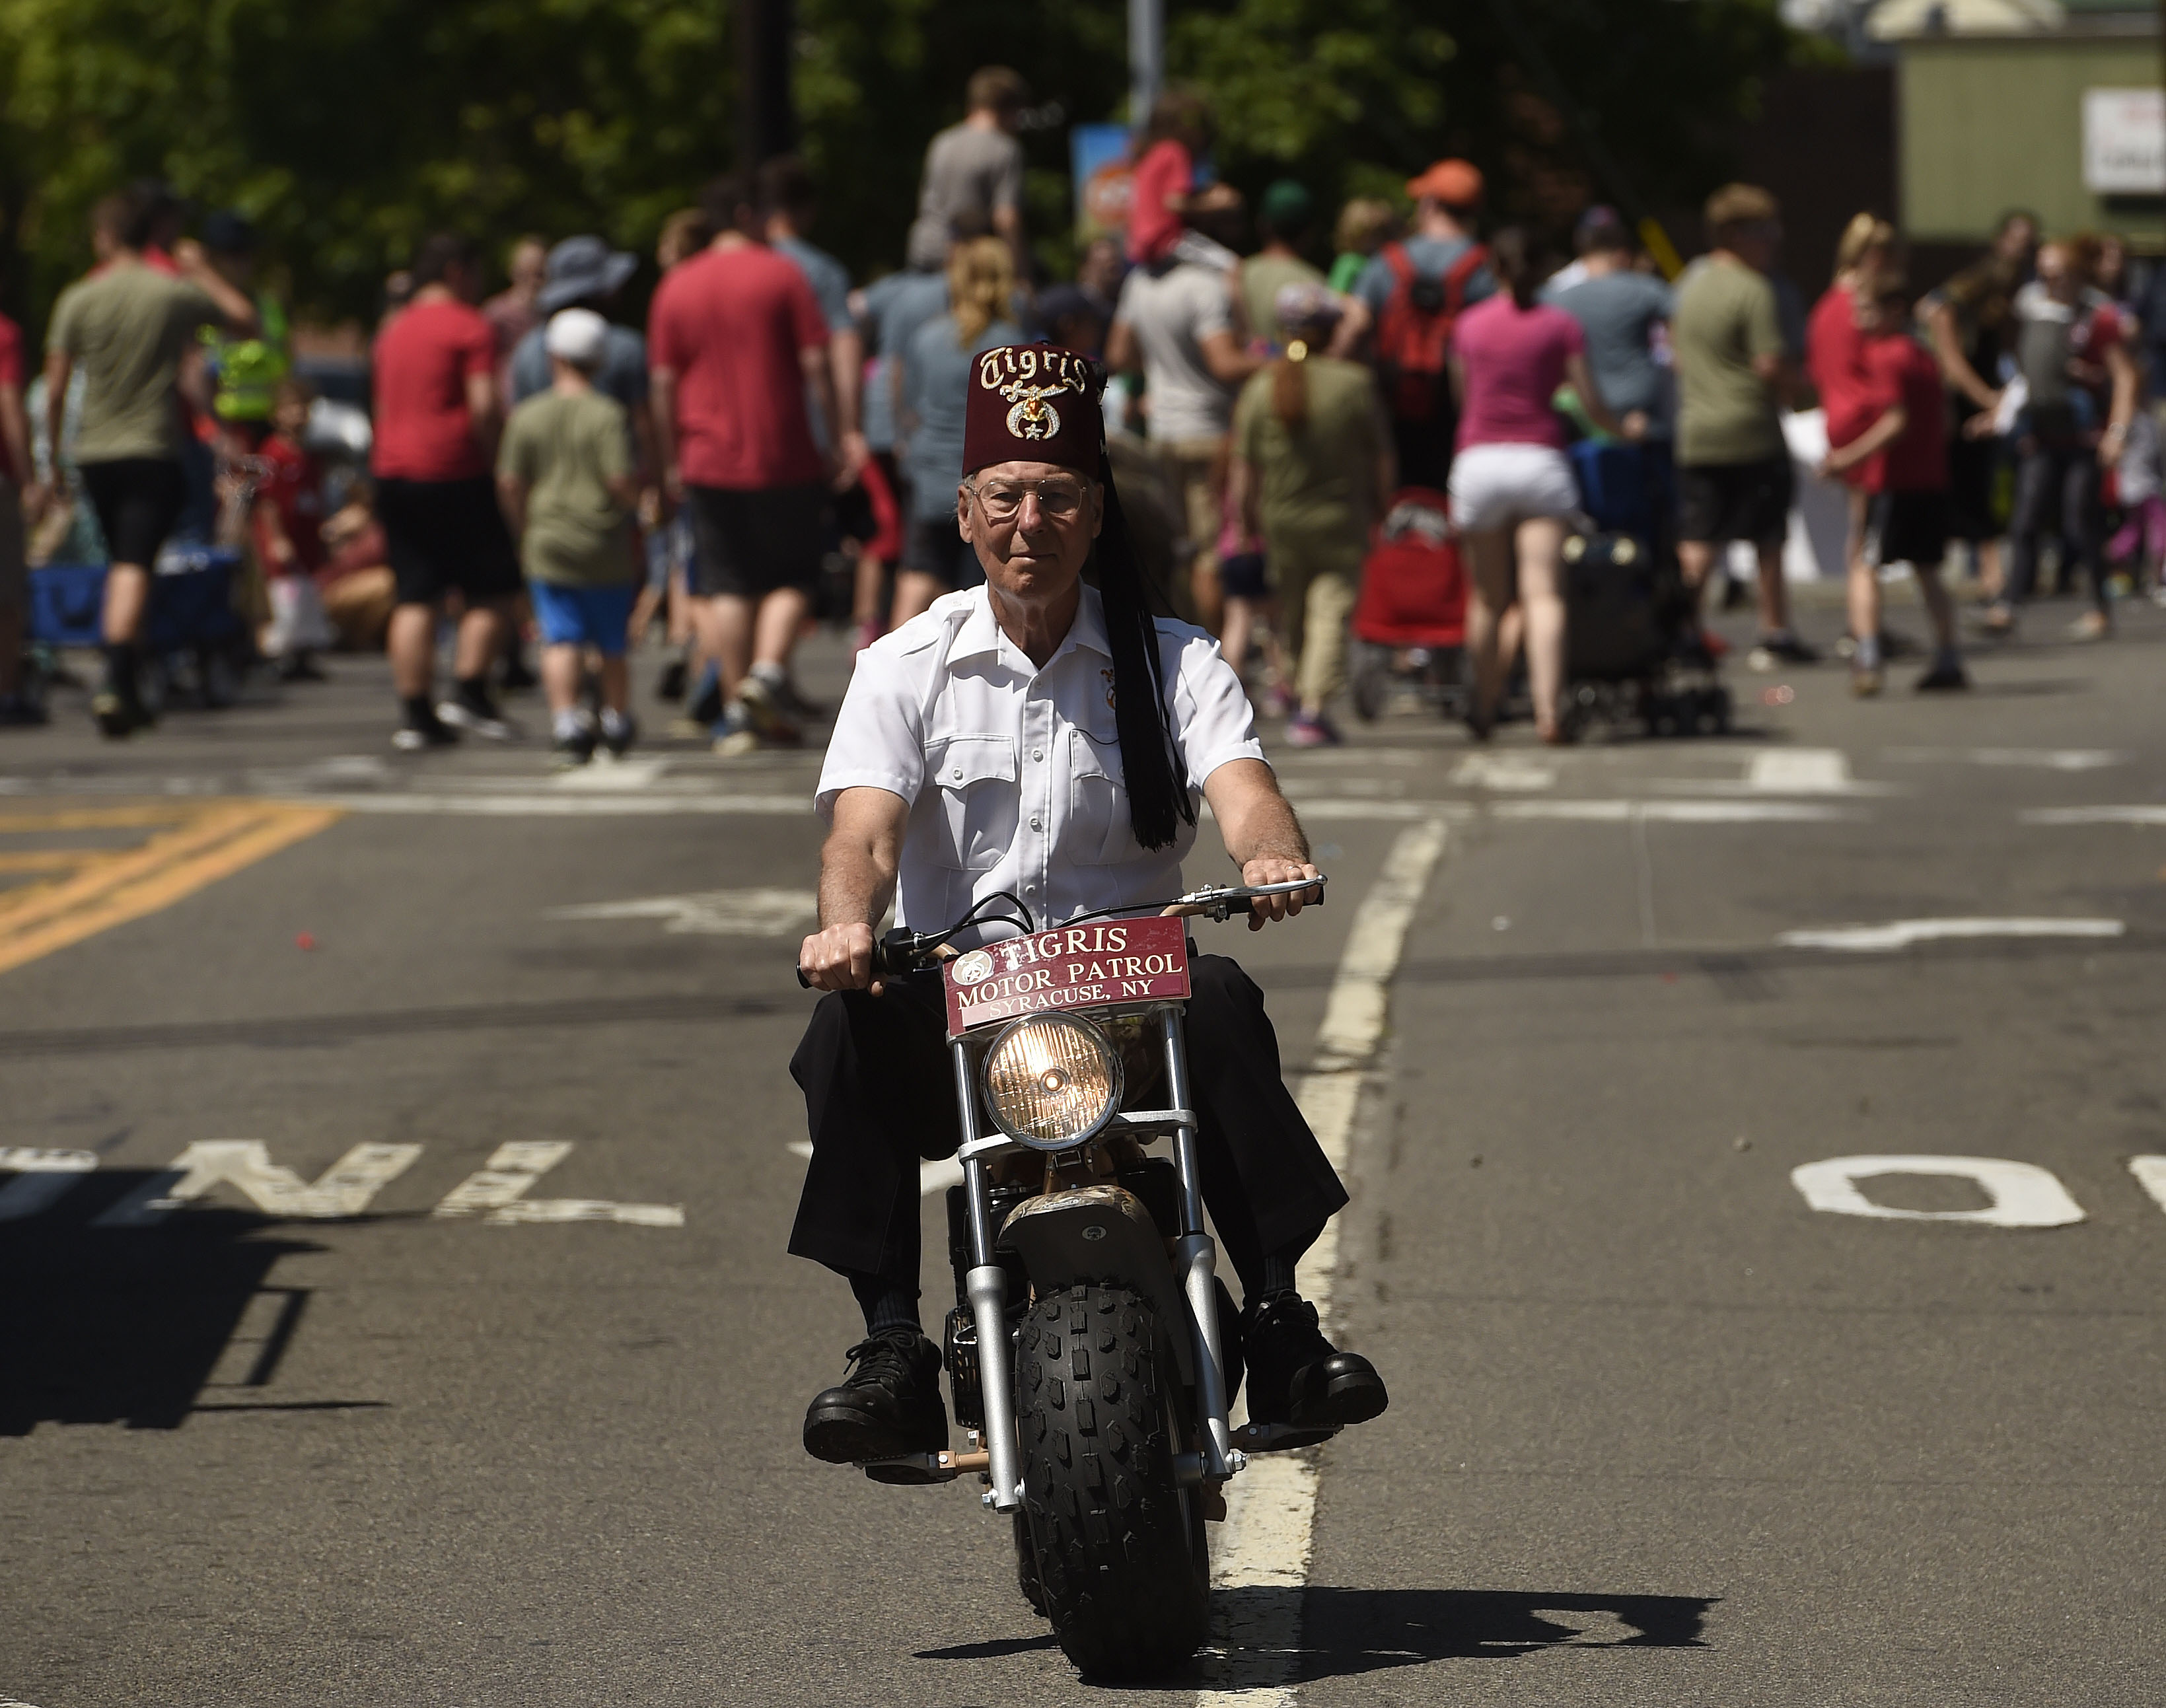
x: 436, y: 445
x: 733, y: 338
x: 1900, y: 461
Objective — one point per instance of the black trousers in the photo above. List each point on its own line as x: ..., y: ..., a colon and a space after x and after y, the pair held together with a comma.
x: 2057, y: 490
x: 879, y: 1096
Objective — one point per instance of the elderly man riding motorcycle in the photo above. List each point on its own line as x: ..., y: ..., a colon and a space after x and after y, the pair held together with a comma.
x: 1044, y: 740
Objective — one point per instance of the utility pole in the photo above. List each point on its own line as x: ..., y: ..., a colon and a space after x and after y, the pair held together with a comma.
x: 1147, y: 58
x: 767, y: 123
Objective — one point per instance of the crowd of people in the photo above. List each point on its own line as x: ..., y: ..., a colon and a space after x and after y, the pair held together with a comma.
x: 539, y: 469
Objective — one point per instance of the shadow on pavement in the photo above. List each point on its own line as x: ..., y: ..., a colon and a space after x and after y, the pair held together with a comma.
x: 1346, y: 1632
x: 130, y: 1325
x: 991, y: 1650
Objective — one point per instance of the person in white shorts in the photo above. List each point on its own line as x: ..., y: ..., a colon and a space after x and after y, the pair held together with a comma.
x: 1511, y: 485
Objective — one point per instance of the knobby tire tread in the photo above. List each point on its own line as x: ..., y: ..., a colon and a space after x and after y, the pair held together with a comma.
x: 1120, y: 1560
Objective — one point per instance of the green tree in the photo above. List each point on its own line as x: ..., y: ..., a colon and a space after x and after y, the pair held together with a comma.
x: 350, y: 130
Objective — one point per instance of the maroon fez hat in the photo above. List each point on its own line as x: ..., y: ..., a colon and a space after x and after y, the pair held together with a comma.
x: 1033, y: 402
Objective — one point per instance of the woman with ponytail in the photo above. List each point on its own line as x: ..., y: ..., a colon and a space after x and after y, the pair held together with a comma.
x: 1835, y: 361
x: 1511, y: 485
x: 1312, y: 474
x: 1027, y: 751
x: 936, y: 371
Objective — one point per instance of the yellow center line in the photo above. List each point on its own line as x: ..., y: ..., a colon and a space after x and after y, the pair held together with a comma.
x: 213, y: 841
x: 55, y: 859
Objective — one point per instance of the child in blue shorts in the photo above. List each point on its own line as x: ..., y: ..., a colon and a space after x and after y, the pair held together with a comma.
x: 565, y: 474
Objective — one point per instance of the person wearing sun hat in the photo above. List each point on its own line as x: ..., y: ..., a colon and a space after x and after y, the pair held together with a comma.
x: 1051, y: 740
x: 584, y: 272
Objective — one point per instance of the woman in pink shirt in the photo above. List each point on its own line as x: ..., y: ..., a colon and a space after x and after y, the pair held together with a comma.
x: 1511, y: 485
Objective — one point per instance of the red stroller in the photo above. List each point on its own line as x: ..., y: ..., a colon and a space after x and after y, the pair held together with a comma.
x: 1409, y: 626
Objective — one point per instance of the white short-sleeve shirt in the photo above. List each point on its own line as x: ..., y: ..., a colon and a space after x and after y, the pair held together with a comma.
x: 1013, y: 772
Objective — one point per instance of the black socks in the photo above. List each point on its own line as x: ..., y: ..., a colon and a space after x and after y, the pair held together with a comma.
x: 885, y: 1305
x: 120, y: 668
x: 421, y: 711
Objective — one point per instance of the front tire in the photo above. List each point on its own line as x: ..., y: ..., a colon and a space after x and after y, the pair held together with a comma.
x: 1122, y: 1559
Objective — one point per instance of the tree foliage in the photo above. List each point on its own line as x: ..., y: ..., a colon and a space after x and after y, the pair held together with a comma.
x: 349, y: 130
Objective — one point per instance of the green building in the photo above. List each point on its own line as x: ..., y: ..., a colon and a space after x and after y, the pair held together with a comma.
x: 2051, y: 105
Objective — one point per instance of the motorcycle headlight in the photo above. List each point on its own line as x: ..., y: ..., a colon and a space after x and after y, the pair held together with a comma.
x: 1052, y: 1082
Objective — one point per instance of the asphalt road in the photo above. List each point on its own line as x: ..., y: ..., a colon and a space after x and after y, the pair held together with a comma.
x: 1661, y: 1432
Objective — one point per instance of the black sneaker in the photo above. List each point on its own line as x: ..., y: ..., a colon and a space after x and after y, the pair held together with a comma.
x: 888, y: 1405
x: 478, y: 713
x: 1298, y: 1379
x: 117, y: 714
x: 1942, y: 678
x: 418, y: 736
x: 574, y: 746
x: 1781, y: 647
x: 618, y: 734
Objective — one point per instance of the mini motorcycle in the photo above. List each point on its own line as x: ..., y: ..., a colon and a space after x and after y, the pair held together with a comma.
x: 1093, y: 1354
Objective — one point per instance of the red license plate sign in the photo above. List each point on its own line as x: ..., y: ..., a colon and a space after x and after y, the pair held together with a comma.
x: 1100, y: 965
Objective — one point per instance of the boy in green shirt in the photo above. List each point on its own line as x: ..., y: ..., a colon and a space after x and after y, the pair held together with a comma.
x: 565, y: 475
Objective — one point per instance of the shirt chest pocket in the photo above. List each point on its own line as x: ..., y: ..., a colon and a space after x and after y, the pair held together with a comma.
x: 972, y: 823
x: 1099, y: 830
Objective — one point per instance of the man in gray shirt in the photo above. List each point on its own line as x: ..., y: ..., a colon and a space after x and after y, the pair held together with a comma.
x: 1621, y: 311
x: 974, y: 170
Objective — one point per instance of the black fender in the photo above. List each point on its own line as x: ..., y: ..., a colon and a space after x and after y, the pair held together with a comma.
x: 1102, y: 1234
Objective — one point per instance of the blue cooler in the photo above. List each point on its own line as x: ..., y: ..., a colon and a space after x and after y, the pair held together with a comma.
x: 67, y: 603
x: 192, y: 598
x: 1623, y: 487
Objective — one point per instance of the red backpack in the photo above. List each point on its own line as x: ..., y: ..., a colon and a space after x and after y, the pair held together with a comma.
x: 1413, y: 333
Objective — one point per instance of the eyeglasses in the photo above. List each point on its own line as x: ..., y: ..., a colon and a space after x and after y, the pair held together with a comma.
x: 1058, y: 500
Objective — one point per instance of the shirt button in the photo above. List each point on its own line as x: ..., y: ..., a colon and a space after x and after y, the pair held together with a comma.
x: 956, y: 774
x: 1036, y: 825
x: 1037, y: 753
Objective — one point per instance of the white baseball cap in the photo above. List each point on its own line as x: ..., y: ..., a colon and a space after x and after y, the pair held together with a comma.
x: 578, y: 336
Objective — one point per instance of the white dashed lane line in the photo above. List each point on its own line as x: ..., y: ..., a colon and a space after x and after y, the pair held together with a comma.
x: 1262, y: 1552
x: 1902, y: 934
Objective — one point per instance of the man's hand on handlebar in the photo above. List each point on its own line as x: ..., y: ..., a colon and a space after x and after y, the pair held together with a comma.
x: 1269, y: 868
x: 839, y: 958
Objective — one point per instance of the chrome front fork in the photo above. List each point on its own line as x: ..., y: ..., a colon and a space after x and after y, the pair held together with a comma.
x: 1196, y: 1257
x: 987, y: 1284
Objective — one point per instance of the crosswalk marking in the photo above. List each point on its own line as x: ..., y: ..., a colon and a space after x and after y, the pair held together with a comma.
x: 344, y: 1190
x: 497, y: 1192
x: 41, y: 1177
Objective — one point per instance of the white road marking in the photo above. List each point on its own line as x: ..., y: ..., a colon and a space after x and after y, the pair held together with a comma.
x: 1314, y: 809
x: 603, y: 775
x: 1804, y: 770
x: 1673, y: 812
x: 1503, y: 772
x: 1264, y: 1547
x: 41, y: 1177
x: 1784, y: 771
x: 718, y: 913
x: 2022, y: 1195
x: 344, y: 1190
x: 498, y: 1193
x: 2039, y: 758
x: 2150, y: 1172
x: 2094, y: 815
x: 1901, y: 933
x: 932, y: 1177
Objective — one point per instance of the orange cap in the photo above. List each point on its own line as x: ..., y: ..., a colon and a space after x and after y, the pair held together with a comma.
x: 1456, y: 183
